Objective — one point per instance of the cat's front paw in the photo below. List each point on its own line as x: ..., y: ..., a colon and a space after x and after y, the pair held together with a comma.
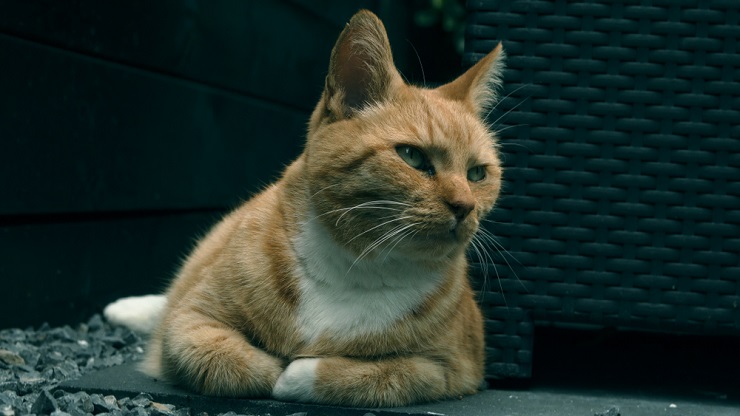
x: 296, y: 383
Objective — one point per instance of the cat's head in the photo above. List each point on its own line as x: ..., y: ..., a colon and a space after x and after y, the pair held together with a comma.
x: 395, y: 168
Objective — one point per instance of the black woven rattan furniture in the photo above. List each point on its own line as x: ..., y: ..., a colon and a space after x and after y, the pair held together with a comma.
x: 620, y: 130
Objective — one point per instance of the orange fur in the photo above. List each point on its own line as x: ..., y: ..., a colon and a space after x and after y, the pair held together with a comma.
x: 253, y: 297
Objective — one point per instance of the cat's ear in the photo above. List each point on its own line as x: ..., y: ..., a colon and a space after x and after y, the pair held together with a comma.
x: 361, y: 70
x: 478, y: 86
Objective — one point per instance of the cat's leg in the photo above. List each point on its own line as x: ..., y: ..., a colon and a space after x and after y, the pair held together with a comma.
x: 381, y: 383
x: 212, y: 358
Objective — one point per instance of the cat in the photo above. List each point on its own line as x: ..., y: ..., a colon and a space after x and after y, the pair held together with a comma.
x: 345, y: 282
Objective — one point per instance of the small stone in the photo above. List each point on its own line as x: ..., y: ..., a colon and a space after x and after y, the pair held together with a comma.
x: 129, y: 337
x: 82, y: 400
x: 75, y: 410
x: 6, y: 410
x: 612, y: 411
x: 11, y: 358
x: 25, y: 368
x: 95, y: 323
x: 66, y: 370
x: 13, y: 335
x: 6, y: 398
x: 9, y: 403
x: 103, y: 404
x: 108, y: 361
x: 44, y: 404
x: 54, y: 357
x: 115, y: 341
x: 125, y: 403
x: 59, y: 393
x: 31, y: 356
x: 30, y: 382
x: 64, y: 333
x: 9, y: 385
x: 160, y: 409
x: 142, y: 400
x: 136, y: 411
x: 31, y: 378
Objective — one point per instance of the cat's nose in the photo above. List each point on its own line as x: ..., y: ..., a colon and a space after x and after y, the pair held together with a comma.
x: 460, y: 209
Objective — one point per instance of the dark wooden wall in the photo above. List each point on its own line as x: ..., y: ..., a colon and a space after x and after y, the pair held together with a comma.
x: 127, y: 128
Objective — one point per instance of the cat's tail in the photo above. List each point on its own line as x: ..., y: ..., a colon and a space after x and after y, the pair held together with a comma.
x: 138, y: 313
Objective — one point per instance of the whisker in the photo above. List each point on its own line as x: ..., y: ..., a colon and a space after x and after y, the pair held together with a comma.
x: 390, y: 234
x: 497, y: 132
x: 378, y: 226
x: 418, y: 58
x: 484, y: 265
x: 323, y: 189
x: 515, y: 144
x: 402, y: 236
x: 496, y: 245
x: 365, y: 205
x: 351, y: 208
x: 487, y: 254
x: 507, y: 112
x: 498, y: 278
x: 504, y: 98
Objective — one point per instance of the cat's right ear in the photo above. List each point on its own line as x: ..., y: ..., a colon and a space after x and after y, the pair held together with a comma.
x: 361, y: 69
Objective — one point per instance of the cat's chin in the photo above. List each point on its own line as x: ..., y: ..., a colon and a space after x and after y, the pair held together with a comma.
x: 457, y: 236
x: 433, y: 247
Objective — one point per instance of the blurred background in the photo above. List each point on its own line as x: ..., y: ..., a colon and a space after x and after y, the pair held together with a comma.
x: 127, y: 128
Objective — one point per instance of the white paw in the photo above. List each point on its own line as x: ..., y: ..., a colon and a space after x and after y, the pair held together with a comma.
x: 138, y: 313
x: 296, y: 382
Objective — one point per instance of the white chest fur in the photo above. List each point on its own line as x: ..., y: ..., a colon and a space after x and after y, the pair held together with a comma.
x: 341, y: 298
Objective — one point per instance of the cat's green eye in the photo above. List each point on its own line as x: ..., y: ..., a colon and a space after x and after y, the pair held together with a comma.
x: 415, y: 158
x: 476, y: 174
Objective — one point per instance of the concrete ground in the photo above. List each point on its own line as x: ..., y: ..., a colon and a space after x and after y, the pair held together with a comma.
x: 125, y: 380
x: 575, y: 373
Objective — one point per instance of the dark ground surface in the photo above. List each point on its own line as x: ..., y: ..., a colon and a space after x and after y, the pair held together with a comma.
x: 125, y: 381
x: 89, y: 369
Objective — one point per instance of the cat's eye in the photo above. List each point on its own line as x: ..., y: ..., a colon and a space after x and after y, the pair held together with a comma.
x: 476, y: 174
x: 415, y: 158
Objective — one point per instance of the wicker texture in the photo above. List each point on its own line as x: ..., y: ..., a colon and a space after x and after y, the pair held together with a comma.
x: 620, y: 129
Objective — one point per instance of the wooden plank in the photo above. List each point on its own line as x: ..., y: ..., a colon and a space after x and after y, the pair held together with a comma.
x: 274, y: 50
x: 85, y: 135
x: 63, y: 273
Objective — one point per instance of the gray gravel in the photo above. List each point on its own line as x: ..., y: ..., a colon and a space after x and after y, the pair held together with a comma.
x: 34, y: 361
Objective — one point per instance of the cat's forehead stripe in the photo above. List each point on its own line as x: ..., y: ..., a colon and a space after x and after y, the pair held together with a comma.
x: 445, y: 123
x: 449, y: 132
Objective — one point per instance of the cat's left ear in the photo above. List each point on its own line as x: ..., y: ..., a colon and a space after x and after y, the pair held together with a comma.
x: 478, y: 86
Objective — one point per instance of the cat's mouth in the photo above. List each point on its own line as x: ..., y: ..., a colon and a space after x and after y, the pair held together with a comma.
x: 457, y: 233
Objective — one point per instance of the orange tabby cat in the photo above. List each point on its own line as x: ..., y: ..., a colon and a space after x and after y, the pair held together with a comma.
x: 345, y: 282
